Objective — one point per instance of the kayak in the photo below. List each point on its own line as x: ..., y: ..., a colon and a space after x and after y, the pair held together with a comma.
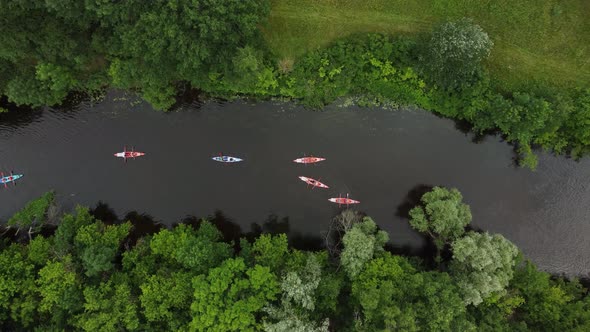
x: 129, y: 154
x: 227, y: 159
x: 343, y: 200
x: 313, y: 182
x: 308, y: 160
x: 10, y: 178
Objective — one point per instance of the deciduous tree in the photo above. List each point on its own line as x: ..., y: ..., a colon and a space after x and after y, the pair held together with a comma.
x: 482, y: 264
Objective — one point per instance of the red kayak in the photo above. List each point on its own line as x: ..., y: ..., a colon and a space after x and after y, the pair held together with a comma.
x: 129, y: 154
x: 308, y: 160
x: 313, y: 182
x: 343, y: 200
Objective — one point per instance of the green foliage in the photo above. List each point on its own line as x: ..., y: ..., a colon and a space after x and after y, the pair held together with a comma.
x: 298, y: 301
x: 394, y: 296
x: 60, y: 291
x: 482, y: 265
x: 361, y: 243
x: 39, y: 250
x: 271, y: 250
x: 185, y: 279
x: 35, y: 212
x: 549, y: 304
x: 455, y: 52
x: 166, y: 300
x: 198, y: 250
x: 68, y: 228
x: 98, y: 245
x: 108, y: 307
x: 51, y: 48
x: 227, y: 298
x: 442, y: 215
x: 18, y: 300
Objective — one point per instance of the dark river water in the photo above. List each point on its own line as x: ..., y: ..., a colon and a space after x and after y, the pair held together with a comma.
x: 377, y: 156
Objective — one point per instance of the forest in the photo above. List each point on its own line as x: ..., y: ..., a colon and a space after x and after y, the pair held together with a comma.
x: 87, y: 269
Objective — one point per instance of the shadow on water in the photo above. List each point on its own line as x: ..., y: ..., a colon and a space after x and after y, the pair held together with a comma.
x: 427, y: 252
x: 143, y: 224
x: 17, y: 116
x: 412, y: 199
x: 467, y: 129
x: 187, y: 98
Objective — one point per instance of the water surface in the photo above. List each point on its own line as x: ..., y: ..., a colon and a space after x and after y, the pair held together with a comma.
x: 377, y: 156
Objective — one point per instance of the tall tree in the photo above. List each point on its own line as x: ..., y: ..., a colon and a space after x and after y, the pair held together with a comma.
x: 455, y: 51
x: 60, y: 290
x: 392, y: 295
x: 166, y: 299
x: 110, y: 306
x: 231, y: 296
x: 482, y: 264
x: 298, y: 301
x: 98, y: 244
x: 361, y: 243
x: 442, y: 215
x: 198, y: 250
x: 18, y: 292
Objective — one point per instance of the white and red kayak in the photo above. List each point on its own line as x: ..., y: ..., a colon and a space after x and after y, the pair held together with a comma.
x: 343, y: 200
x: 313, y: 182
x: 128, y: 154
x: 308, y: 160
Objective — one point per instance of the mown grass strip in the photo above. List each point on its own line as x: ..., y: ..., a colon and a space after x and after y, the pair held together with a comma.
x: 537, y: 42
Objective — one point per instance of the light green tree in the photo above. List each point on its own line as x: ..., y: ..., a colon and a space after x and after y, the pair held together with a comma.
x: 60, y: 291
x: 361, y: 243
x: 297, y: 301
x: 231, y: 296
x: 442, y: 215
x: 97, y: 245
x: 18, y: 292
x: 33, y: 215
x: 166, y: 299
x: 392, y: 295
x: 483, y: 265
x: 199, y: 249
x: 271, y: 250
x: 110, y: 306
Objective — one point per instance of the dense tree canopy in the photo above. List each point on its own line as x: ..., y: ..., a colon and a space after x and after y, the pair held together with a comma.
x: 50, y: 48
x: 87, y: 276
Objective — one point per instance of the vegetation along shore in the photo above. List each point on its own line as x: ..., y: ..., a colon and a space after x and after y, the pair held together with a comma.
x: 89, y: 270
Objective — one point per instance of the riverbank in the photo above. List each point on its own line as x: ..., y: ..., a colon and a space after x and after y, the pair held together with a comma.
x: 91, y: 270
x: 521, y: 90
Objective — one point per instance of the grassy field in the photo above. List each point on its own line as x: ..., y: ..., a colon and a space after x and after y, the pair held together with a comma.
x: 536, y: 41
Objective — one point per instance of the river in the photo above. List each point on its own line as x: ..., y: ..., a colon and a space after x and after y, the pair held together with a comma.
x: 378, y: 156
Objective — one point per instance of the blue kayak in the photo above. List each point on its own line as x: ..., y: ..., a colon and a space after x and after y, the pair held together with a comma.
x: 227, y: 159
x: 10, y: 178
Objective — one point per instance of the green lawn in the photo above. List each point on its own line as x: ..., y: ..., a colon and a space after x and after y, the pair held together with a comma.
x: 536, y: 41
